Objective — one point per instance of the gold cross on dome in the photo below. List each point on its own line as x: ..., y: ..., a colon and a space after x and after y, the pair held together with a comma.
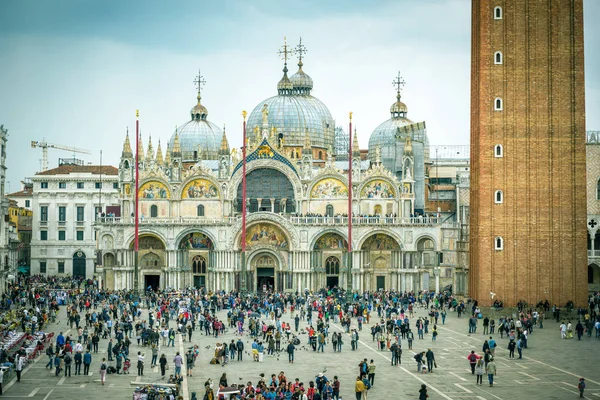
x: 300, y: 50
x: 285, y: 51
x: 398, y: 82
x: 199, y: 82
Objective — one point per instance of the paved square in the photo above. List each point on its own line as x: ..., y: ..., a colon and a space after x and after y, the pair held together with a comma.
x: 550, y: 368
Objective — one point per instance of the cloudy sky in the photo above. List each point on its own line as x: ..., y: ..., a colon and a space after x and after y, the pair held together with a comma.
x: 73, y: 72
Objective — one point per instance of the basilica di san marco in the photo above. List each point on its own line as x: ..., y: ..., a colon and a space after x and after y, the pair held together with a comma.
x: 190, y: 204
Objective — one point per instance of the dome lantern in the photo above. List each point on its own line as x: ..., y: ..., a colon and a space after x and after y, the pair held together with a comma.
x: 285, y: 87
x: 398, y: 109
x: 199, y: 112
x: 301, y: 82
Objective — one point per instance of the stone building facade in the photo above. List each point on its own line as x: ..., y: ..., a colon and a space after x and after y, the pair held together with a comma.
x: 527, y: 230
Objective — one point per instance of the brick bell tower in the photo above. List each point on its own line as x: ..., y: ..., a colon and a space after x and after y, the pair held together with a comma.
x: 528, y: 185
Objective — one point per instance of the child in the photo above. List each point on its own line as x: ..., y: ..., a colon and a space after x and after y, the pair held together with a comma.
x: 423, y: 393
x: 581, y: 386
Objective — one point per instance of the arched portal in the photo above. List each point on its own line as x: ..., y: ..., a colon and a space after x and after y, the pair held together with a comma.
x: 332, y: 271
x: 199, y: 269
x: 265, y: 267
x: 381, y: 256
x: 267, y: 190
x: 152, y: 256
x: 79, y: 261
x: 195, y: 252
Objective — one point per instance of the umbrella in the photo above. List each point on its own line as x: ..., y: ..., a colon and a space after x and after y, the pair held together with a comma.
x: 255, y: 315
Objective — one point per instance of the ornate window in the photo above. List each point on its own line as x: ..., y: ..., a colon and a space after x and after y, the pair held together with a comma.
x: 499, y: 243
x: 329, y: 210
x: 199, y: 265
x: 498, y: 151
x: 153, y: 211
x: 498, y: 57
x: 200, y: 211
x: 332, y: 266
x: 498, y: 104
x: 497, y: 12
x: 499, y: 197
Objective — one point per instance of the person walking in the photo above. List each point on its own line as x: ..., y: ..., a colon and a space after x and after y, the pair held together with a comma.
x: 491, y: 371
x: 78, y: 360
x: 109, y: 350
x: 359, y: 388
x: 473, y: 361
x: 371, y: 372
x: 87, y: 361
x: 580, y: 387
x: 240, y: 349
x: 511, y: 349
x: 103, y: 368
x: 423, y: 393
x: 178, y: 361
x: 335, y: 386
x: 140, y: 364
x: 430, y: 360
x: 163, y: 365
x: 68, y: 361
x: 479, y: 370
x: 19, y: 367
x: 50, y: 354
x: 290, y: 350
x: 154, y: 355
x: 189, y: 362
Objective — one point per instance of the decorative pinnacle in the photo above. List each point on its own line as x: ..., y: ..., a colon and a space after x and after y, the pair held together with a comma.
x: 300, y: 50
x: 244, y: 114
x: 284, y: 52
x: 398, y: 82
x: 199, y: 82
x: 350, y: 115
x: 137, y: 113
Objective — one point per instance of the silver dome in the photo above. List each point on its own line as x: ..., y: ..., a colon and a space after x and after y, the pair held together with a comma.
x: 199, y: 140
x: 385, y: 134
x: 294, y: 114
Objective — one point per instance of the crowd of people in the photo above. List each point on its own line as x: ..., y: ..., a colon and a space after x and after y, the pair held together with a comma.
x: 317, y: 323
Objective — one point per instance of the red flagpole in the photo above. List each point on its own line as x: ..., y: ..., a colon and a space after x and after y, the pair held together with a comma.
x: 137, y: 203
x: 243, y: 269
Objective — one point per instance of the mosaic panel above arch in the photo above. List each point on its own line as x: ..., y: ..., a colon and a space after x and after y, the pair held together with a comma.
x: 377, y: 189
x: 148, y: 242
x: 266, y: 234
x: 380, y: 241
x: 331, y: 241
x: 200, y: 189
x: 154, y: 190
x: 196, y: 241
x: 329, y: 188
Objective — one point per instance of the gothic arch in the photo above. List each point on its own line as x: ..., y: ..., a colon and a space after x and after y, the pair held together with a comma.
x: 268, y: 250
x: 389, y: 233
x: 144, y: 232
x: 426, y: 236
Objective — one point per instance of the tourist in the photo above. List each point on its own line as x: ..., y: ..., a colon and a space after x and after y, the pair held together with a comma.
x: 140, y: 363
x: 430, y: 360
x: 178, y: 361
x: 371, y: 372
x: 479, y: 370
x: 473, y: 360
x: 490, y: 370
x: 423, y: 392
x: 359, y: 388
x: 103, y: 368
x: 580, y: 387
x: 162, y: 362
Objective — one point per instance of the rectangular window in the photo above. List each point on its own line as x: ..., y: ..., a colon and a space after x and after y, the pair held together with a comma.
x: 27, y: 203
x: 97, y: 213
x: 62, y: 235
x: 44, y: 185
x: 115, y: 185
x: 44, y: 213
x: 61, y: 267
x: 62, y: 185
x: 62, y: 214
x: 43, y: 235
x: 42, y: 267
x: 98, y: 185
x: 80, y: 185
x: 80, y: 210
x: 79, y: 235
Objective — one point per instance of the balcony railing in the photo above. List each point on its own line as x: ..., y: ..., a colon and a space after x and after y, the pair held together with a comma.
x: 297, y: 220
x: 593, y: 253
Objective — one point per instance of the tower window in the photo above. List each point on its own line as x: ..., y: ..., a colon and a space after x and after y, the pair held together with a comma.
x: 498, y: 57
x: 498, y: 151
x: 499, y: 197
x: 499, y: 243
x: 498, y: 104
x: 498, y: 13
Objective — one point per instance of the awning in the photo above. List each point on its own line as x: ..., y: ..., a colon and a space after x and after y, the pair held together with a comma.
x: 24, y: 269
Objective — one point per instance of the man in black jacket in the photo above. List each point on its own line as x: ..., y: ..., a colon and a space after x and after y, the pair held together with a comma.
x: 240, y: 349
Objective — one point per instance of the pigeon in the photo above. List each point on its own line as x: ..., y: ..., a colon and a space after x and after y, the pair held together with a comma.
x: 207, y: 347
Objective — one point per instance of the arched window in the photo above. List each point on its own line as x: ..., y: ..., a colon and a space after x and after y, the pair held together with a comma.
x: 498, y: 104
x: 499, y: 197
x: 200, y: 210
x: 329, y: 210
x: 498, y: 57
x: 153, y: 211
x: 199, y: 265
x: 498, y: 151
x: 499, y: 243
x: 320, y: 155
x: 498, y: 13
x: 332, y: 266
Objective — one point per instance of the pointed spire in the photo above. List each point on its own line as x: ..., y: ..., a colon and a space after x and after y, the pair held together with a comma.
x: 355, y: 147
x: 285, y: 85
x: 307, y: 144
x: 224, y: 143
x: 168, y: 156
x: 127, y: 153
x: 150, y: 152
x: 159, y: 155
x: 140, y: 148
x: 176, y: 150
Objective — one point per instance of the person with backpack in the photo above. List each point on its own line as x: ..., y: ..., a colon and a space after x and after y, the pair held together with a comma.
x: 581, y: 386
x: 419, y: 359
x: 50, y: 354
x: 68, y: 362
x: 78, y: 357
x: 473, y: 361
x: 103, y: 368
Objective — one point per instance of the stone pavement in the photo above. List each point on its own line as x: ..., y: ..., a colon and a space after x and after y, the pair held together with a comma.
x: 550, y: 369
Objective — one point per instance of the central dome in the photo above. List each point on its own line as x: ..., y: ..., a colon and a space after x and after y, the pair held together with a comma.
x: 295, y: 112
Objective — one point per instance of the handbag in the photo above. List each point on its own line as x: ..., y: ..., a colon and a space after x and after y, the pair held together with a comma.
x: 166, y: 366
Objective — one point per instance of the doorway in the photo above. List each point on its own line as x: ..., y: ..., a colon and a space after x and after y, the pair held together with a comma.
x: 265, y: 279
x: 380, y: 282
x: 332, y: 281
x: 151, y: 282
x: 199, y: 281
x: 79, y: 264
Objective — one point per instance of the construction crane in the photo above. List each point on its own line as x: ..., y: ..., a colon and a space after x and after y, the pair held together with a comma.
x: 45, y: 145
